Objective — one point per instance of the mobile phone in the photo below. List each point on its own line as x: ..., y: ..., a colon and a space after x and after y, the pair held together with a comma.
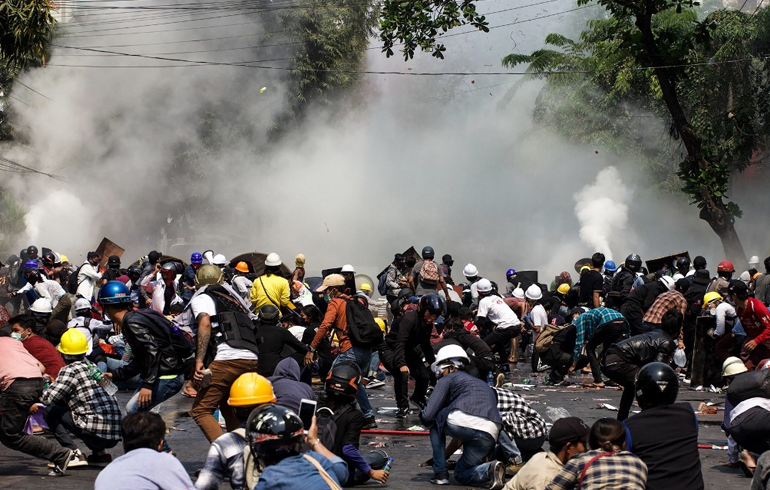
x: 307, y: 411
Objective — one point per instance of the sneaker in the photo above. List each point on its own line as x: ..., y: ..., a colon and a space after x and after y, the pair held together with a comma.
x: 369, y: 423
x: 499, y: 380
x: 513, y: 468
x: 402, y: 413
x: 61, y: 470
x: 77, y: 460
x: 496, y: 475
x: 99, y: 460
x: 440, y: 478
x: 418, y: 403
x: 375, y: 383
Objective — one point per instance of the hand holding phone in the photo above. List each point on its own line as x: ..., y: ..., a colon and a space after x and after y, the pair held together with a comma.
x: 307, y: 412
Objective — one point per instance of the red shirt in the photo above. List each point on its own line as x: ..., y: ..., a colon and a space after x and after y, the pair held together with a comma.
x: 46, y: 353
x: 755, y: 319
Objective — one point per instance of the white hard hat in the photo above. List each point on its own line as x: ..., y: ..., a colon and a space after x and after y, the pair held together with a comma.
x: 82, y: 304
x: 518, y: 293
x: 754, y: 260
x: 451, y: 351
x: 273, y: 260
x: 41, y: 305
x: 745, y: 277
x: 534, y: 292
x: 668, y: 281
x: 348, y: 268
x: 56, y: 258
x: 733, y: 366
x: 484, y: 286
x: 220, y: 259
x: 470, y: 271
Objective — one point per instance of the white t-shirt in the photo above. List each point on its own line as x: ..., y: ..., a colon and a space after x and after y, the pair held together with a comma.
x: 297, y: 331
x: 539, y: 316
x: 203, y: 303
x: 724, y: 311
x: 243, y: 285
x: 462, y: 419
x: 494, y: 308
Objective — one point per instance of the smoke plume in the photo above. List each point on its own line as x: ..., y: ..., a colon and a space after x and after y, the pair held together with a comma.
x: 602, y: 211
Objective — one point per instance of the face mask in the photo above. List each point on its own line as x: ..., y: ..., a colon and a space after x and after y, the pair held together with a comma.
x: 16, y: 336
x: 713, y: 311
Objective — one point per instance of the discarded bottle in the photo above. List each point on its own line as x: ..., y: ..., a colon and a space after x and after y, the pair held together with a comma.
x: 388, y: 465
x: 680, y: 359
x: 103, y: 381
x: 556, y: 413
x: 491, y: 379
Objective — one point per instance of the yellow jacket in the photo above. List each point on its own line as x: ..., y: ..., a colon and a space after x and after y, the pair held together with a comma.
x: 270, y: 290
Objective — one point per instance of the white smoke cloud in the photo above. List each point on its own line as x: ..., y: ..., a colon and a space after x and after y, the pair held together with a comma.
x: 602, y: 210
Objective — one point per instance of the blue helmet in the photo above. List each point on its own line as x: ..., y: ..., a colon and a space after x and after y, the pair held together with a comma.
x: 433, y: 303
x: 509, y: 273
x: 114, y: 293
x: 196, y: 258
x: 610, y: 266
x: 31, y: 264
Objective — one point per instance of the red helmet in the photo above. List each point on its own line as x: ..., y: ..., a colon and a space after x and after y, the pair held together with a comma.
x: 763, y: 364
x: 725, y: 266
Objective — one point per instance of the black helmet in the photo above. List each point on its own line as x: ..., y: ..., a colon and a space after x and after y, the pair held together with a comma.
x: 33, y: 276
x: 172, y: 266
x: 433, y: 303
x: 682, y: 263
x: 274, y: 433
x: 269, y: 313
x: 405, y: 293
x: 428, y: 253
x: 633, y: 262
x: 134, y: 271
x: 49, y: 258
x: 32, y: 251
x: 344, y: 379
x: 113, y: 262
x: 656, y: 385
x: 447, y: 259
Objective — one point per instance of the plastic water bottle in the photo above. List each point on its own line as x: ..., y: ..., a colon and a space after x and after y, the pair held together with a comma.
x: 491, y: 379
x: 388, y: 465
x: 103, y: 381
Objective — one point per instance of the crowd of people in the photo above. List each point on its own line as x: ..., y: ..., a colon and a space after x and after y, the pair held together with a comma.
x: 246, y: 347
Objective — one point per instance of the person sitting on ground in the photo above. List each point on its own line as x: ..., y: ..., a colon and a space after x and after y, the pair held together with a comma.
x: 607, y: 466
x: 23, y: 327
x: 225, y: 458
x: 568, y: 438
x: 732, y: 367
x: 143, y: 465
x: 665, y: 434
x: 275, y: 436
x: 287, y: 386
x: 77, y: 405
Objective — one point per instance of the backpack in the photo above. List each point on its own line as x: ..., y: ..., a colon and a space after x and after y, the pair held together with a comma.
x: 362, y: 330
x: 382, y: 284
x: 72, y: 282
x: 429, y: 272
x: 327, y: 426
x: 544, y: 340
x: 177, y: 338
x: 755, y: 384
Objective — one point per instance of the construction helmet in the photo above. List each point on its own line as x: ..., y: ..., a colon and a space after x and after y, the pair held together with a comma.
x: 484, y: 286
x: 534, y: 293
x: 82, y: 304
x: 668, y: 281
x: 220, y: 260
x: 470, y: 271
x: 763, y: 364
x: 113, y: 262
x: 251, y: 389
x: 633, y: 262
x: 274, y: 433
x: 754, y: 261
x: 434, y: 304
x: 269, y: 313
x: 725, y: 266
x: 709, y: 297
x: 563, y: 288
x: 610, y: 266
x: 64, y: 258
x: 509, y: 273
x: 208, y: 274
x: 73, y: 343
x: 518, y: 293
x: 366, y: 287
x: 428, y: 252
x: 584, y: 269
x: 733, y: 366
x: 656, y: 385
x: 41, y: 306
x: 114, y: 293
x: 343, y: 379
x: 347, y: 268
x: 196, y: 258
x: 273, y: 260
x: 242, y: 267
x: 31, y: 264
x: 49, y: 258
x: 450, y: 355
x: 380, y: 323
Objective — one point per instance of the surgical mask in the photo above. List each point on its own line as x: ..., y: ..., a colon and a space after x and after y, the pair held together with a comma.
x: 713, y: 311
x: 327, y: 298
x: 16, y: 336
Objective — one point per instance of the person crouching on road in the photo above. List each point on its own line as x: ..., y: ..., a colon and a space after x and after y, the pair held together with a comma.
x: 465, y: 408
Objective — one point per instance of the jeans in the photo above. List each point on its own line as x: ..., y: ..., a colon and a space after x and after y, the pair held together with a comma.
x: 417, y: 370
x: 376, y: 459
x: 223, y: 375
x: 477, y: 445
x: 14, y: 407
x: 161, y: 391
x: 113, y: 364
x: 362, y: 357
x: 59, y: 420
x: 518, y: 450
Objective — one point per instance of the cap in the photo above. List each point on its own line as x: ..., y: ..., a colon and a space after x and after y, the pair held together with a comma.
x: 738, y: 287
x: 332, y: 280
x: 568, y: 429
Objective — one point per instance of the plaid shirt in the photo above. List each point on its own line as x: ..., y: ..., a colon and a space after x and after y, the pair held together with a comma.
x: 225, y: 458
x: 663, y: 303
x: 587, y: 323
x: 93, y: 410
x: 519, y: 419
x: 622, y: 471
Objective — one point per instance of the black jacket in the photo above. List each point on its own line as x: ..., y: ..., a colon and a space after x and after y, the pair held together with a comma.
x: 645, y: 295
x: 655, y: 346
x: 406, y: 334
x: 274, y: 339
x: 154, y: 354
x: 621, y: 286
x: 470, y: 341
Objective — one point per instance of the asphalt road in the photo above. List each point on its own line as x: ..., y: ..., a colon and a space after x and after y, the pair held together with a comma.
x: 19, y: 471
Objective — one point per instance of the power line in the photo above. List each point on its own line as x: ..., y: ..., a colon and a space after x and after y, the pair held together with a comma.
x: 15, y: 167
x: 33, y: 90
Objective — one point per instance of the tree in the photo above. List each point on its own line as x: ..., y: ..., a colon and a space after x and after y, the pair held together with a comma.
x: 25, y: 30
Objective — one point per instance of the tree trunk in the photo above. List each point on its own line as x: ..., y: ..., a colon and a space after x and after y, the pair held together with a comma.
x: 714, y: 211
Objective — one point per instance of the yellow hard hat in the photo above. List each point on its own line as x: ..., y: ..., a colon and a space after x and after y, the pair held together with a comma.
x: 380, y: 323
x: 64, y: 258
x: 73, y: 343
x: 563, y: 288
x: 251, y: 389
x: 709, y: 297
x: 583, y: 269
x: 366, y: 287
x: 242, y: 267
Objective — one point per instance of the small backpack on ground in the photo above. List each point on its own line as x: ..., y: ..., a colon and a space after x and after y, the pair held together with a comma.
x: 362, y: 329
x: 755, y: 384
x: 429, y: 272
x: 72, y: 282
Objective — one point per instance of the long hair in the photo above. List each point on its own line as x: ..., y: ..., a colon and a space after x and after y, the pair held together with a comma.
x: 608, y: 435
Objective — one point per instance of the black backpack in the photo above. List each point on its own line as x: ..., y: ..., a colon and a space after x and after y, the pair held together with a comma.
x: 327, y: 426
x: 362, y: 329
x: 755, y: 384
x: 72, y: 281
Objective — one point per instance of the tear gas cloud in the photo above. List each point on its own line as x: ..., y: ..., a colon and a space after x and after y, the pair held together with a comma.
x: 452, y: 161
